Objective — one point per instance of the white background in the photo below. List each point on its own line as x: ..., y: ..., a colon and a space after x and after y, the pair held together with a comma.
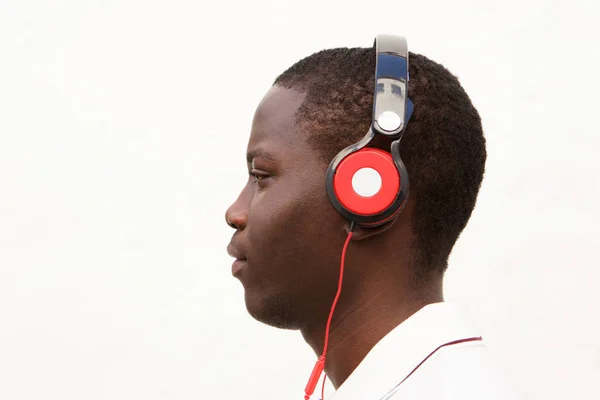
x: 123, y: 127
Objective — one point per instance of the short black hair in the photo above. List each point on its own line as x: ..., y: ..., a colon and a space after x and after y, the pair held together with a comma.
x: 443, y: 148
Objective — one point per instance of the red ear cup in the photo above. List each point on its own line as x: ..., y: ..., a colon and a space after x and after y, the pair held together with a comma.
x: 378, y: 160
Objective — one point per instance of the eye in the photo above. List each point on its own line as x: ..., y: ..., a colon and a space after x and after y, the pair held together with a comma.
x: 258, y: 175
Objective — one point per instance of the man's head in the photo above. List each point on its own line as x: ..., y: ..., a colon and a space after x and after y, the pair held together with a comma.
x: 286, y: 228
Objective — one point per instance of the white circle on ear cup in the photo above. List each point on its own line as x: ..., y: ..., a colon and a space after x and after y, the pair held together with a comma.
x: 389, y: 121
x: 366, y: 182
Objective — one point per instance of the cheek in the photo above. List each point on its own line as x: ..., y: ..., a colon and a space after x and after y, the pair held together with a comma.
x: 292, y: 227
x: 278, y: 213
x: 297, y: 203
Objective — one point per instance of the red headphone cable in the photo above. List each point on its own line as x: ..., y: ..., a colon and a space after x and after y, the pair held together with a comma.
x: 320, y: 364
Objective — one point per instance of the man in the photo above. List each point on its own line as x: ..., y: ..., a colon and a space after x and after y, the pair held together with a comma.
x: 391, y: 334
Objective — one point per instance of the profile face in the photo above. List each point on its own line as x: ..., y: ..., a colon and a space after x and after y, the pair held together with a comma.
x: 288, y: 235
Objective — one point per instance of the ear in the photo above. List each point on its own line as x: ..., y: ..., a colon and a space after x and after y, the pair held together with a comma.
x: 361, y: 233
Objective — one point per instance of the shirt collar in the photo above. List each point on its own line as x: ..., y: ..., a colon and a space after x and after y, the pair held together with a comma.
x: 403, y: 348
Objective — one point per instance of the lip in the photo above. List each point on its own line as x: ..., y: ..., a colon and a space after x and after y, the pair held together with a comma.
x: 238, y: 266
x: 240, y: 259
x: 234, y: 252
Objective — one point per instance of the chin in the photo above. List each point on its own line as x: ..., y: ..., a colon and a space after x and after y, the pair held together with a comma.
x: 273, y: 310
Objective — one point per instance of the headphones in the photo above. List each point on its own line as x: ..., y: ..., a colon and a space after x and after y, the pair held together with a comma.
x: 367, y: 185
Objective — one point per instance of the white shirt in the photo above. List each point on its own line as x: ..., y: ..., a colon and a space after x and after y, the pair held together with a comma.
x: 455, y: 371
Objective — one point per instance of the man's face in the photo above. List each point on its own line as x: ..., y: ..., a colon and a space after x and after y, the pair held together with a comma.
x: 286, y: 230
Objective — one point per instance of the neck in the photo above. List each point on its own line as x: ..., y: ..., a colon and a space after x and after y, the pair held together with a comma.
x: 362, y: 318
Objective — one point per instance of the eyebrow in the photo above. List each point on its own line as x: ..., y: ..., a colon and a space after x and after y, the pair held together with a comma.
x: 258, y: 153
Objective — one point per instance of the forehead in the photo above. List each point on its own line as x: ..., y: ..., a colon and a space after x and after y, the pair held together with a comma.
x: 274, y: 128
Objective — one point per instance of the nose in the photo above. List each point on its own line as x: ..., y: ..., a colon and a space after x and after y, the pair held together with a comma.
x: 237, y: 215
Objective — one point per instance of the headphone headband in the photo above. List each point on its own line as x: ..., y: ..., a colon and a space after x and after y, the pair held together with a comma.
x: 391, y: 106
